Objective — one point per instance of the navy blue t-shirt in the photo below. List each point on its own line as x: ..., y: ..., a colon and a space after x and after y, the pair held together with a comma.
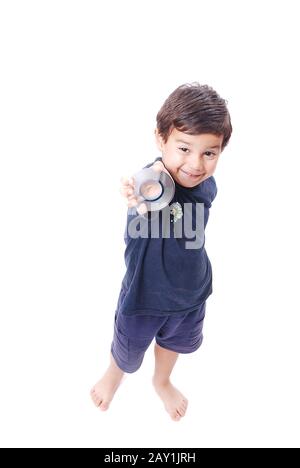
x: 163, y: 277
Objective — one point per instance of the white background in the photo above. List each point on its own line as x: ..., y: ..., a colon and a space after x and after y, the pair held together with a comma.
x: 81, y: 84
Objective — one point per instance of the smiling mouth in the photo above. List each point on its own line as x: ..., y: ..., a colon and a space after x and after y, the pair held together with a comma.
x: 192, y: 176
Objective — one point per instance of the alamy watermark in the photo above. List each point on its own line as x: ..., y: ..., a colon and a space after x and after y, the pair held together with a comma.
x: 182, y: 225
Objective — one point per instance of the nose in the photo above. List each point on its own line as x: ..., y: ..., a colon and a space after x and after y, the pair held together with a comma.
x: 196, y: 165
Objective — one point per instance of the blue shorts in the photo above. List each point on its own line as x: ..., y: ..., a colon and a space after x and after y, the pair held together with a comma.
x: 133, y: 334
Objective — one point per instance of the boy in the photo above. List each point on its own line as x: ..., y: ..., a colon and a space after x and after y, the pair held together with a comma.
x: 166, y: 284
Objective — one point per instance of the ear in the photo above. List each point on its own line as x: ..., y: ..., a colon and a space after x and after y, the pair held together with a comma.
x: 158, y: 139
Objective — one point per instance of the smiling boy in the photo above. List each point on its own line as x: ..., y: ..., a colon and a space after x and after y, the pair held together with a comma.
x: 164, y: 291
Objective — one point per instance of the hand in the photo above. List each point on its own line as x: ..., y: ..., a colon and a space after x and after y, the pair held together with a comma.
x: 127, y: 191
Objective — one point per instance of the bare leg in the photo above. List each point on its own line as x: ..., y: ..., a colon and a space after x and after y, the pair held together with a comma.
x: 175, y: 403
x: 103, y: 392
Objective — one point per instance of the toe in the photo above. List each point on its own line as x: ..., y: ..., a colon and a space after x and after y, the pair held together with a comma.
x: 181, y: 410
x: 96, y: 400
x: 104, y: 405
x: 175, y: 416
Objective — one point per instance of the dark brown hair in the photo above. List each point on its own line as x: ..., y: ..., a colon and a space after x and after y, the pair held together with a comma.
x: 194, y: 109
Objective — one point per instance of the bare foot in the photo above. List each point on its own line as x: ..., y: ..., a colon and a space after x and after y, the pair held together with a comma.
x: 175, y: 403
x: 103, y: 392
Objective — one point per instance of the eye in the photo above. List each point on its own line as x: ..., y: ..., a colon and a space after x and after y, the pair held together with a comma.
x: 184, y: 149
x: 210, y: 154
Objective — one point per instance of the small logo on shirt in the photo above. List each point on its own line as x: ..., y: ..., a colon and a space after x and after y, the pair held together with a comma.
x: 176, y: 211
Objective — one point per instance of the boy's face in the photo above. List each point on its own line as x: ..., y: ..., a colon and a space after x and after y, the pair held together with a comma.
x: 190, y: 159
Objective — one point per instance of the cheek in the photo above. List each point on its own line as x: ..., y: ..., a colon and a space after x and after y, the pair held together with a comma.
x: 210, y: 166
x: 174, y: 160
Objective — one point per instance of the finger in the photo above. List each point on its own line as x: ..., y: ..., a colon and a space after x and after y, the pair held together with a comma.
x: 158, y: 166
x: 136, y: 200
x: 124, y: 180
x: 127, y: 181
x: 126, y: 191
x: 142, y: 208
x: 161, y: 167
x: 132, y: 202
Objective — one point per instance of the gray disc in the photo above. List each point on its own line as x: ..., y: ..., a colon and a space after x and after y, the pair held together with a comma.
x: 156, y: 189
